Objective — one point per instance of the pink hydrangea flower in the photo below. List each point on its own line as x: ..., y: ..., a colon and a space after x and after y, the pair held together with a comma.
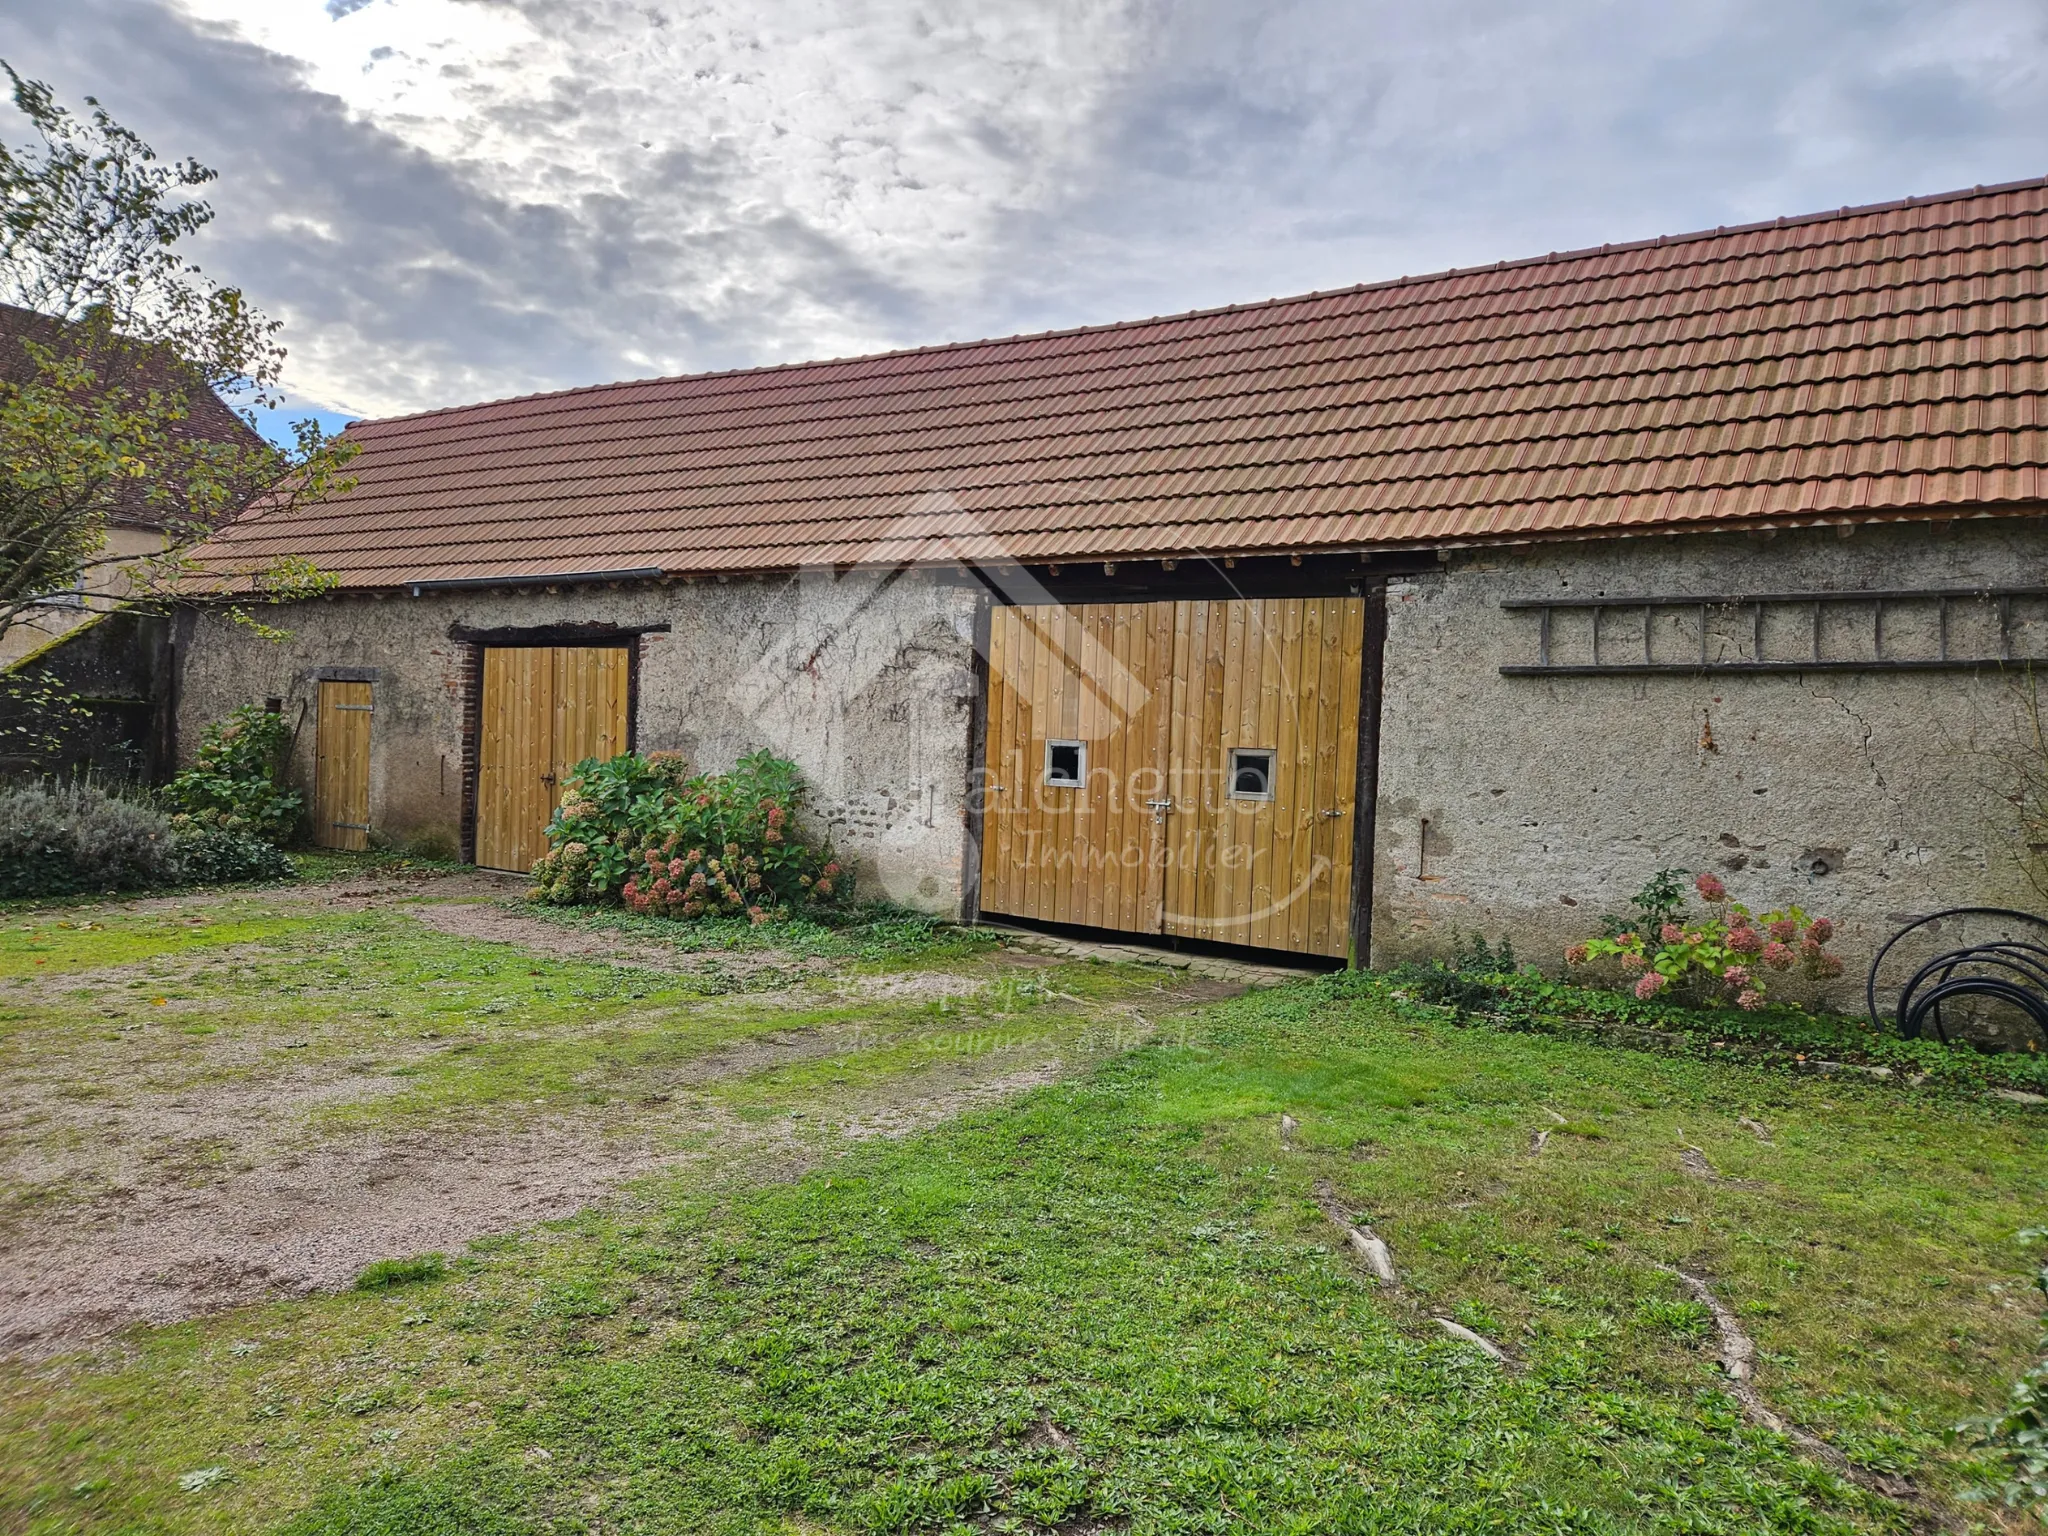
x: 1633, y: 962
x: 1777, y: 956
x: 1649, y: 986
x: 1710, y: 887
x: 1736, y: 976
x: 1820, y: 930
x: 1745, y: 940
x: 1749, y: 998
x: 1576, y: 955
x: 1671, y: 933
x: 1784, y: 930
x: 1810, y: 947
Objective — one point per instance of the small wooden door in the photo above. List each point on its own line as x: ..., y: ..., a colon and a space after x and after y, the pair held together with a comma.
x: 341, y: 768
x: 545, y: 709
x: 1185, y: 767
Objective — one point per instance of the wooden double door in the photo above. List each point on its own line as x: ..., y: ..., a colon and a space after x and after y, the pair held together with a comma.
x: 544, y: 710
x: 1180, y: 768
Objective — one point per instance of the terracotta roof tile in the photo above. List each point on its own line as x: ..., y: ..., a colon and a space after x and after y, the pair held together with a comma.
x: 1874, y: 361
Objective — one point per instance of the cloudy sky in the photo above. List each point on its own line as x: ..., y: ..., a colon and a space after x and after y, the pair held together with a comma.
x: 450, y: 200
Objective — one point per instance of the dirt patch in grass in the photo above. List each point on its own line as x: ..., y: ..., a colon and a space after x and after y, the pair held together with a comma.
x: 308, y: 1221
x: 306, y: 1106
x: 371, y: 888
x: 911, y: 1115
x: 195, y: 1221
x: 144, y: 1207
x: 492, y: 924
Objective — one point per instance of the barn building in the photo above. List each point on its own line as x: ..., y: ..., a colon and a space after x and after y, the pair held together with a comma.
x: 1336, y: 624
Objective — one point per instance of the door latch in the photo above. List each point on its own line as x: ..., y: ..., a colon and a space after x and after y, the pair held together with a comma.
x: 1159, y: 808
x: 1330, y: 815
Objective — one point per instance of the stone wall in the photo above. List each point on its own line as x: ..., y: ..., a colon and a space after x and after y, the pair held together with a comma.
x: 1867, y: 796
x: 865, y: 681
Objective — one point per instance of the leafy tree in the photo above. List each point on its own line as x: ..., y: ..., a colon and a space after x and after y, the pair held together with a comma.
x: 112, y: 389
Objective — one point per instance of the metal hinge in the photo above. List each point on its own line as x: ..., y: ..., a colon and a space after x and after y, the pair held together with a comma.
x: 368, y: 709
x: 354, y: 826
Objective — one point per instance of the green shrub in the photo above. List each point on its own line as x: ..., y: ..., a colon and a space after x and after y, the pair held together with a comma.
x: 61, y: 840
x: 236, y: 781
x: 386, y: 1273
x: 208, y: 855
x: 640, y: 831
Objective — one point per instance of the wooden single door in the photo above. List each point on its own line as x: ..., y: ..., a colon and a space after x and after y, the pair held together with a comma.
x: 1214, y: 750
x: 545, y: 709
x: 341, y: 766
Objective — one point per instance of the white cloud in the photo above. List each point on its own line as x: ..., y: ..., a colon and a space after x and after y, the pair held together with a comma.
x: 902, y: 135
x: 448, y: 200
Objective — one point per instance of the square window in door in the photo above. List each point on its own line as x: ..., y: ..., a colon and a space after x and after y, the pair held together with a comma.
x: 1251, y: 773
x: 1066, y: 763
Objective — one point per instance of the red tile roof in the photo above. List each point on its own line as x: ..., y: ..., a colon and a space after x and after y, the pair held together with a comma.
x: 1879, y: 361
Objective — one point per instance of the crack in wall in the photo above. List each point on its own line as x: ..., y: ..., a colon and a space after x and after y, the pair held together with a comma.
x: 1863, y: 725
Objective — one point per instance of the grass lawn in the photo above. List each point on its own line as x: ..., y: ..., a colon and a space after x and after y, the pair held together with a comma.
x: 1106, y: 1302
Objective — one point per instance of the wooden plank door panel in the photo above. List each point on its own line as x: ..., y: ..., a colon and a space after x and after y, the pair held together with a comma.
x: 1099, y: 674
x: 341, y: 769
x: 515, y: 755
x: 589, y: 707
x: 1267, y: 675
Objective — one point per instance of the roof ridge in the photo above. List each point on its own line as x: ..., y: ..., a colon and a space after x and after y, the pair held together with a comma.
x: 1783, y: 221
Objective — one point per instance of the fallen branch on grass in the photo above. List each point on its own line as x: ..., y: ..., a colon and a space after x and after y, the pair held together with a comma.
x: 1362, y: 1241
x: 1756, y: 1128
x: 1538, y: 1142
x: 1477, y: 1340
x: 1738, y: 1363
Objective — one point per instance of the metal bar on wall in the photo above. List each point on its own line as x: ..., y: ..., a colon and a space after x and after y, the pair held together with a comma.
x: 1883, y: 650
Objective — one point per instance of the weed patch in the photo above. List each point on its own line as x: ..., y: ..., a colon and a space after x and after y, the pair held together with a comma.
x: 386, y: 1273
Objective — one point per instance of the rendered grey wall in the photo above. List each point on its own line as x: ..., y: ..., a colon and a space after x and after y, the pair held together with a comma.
x: 1549, y: 800
x: 865, y: 681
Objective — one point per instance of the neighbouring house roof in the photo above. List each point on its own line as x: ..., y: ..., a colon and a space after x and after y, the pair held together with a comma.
x: 207, y: 419
x: 1881, y: 361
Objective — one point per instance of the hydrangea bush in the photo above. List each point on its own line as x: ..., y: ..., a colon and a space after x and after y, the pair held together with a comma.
x: 1722, y: 954
x: 236, y: 781
x: 643, y: 832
